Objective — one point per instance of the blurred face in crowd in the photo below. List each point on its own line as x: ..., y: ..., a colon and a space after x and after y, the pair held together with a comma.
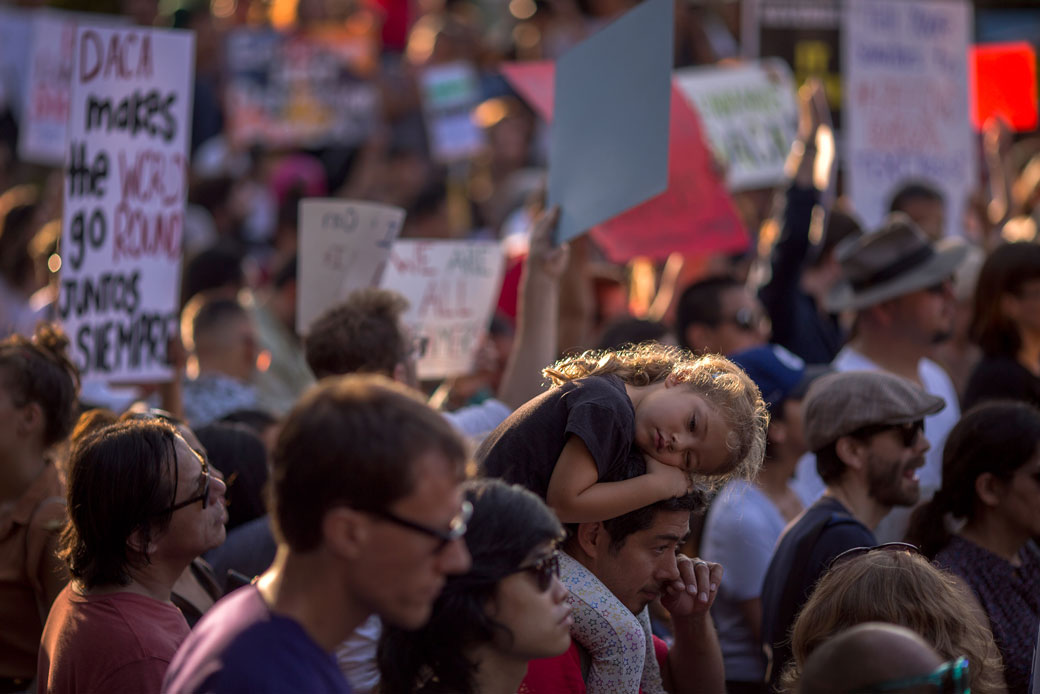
x: 1019, y: 499
x: 743, y: 323
x: 403, y: 568
x: 642, y: 568
x: 892, y: 464
x: 926, y: 315
x: 538, y: 619
x: 1023, y: 308
x: 198, y: 526
x: 929, y: 215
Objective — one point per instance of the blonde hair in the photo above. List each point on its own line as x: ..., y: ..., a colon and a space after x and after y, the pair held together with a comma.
x: 724, y: 384
x: 904, y: 589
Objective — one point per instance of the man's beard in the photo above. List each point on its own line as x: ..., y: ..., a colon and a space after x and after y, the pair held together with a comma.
x: 885, y: 481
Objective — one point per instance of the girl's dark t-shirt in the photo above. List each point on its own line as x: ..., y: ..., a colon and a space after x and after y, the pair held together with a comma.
x: 525, y: 447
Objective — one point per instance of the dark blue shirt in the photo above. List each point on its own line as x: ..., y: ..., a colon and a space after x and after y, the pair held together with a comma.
x: 241, y: 646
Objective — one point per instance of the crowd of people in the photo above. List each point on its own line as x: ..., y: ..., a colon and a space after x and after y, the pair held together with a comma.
x: 812, y: 467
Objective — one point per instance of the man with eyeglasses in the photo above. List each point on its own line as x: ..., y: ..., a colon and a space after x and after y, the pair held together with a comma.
x: 720, y: 315
x: 369, y: 520
x: 898, y: 283
x: 867, y: 431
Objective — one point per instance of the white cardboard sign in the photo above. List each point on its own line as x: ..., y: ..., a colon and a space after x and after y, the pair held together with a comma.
x: 125, y: 187
x: 452, y: 288
x: 343, y: 246
x: 750, y: 117
x: 906, y: 103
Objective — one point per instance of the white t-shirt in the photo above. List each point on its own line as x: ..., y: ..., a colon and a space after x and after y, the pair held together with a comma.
x: 740, y: 533
x: 808, y: 485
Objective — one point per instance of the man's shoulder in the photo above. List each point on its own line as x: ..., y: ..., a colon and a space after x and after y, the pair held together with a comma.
x: 823, y: 525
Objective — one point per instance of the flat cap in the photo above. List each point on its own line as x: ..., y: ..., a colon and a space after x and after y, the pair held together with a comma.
x: 838, y: 404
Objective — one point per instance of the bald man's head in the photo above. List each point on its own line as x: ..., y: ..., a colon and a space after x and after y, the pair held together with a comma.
x: 865, y: 655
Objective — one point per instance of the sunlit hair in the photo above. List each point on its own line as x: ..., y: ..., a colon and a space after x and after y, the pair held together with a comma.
x: 904, y: 589
x: 720, y: 381
x: 508, y: 524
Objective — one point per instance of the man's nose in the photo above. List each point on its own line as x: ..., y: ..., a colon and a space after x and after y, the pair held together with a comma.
x: 667, y: 568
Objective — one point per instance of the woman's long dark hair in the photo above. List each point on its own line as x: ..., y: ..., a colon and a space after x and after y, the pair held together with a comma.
x: 1005, y: 272
x: 508, y: 523
x: 997, y: 437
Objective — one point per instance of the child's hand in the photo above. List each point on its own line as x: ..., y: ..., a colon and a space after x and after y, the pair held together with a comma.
x: 672, y: 481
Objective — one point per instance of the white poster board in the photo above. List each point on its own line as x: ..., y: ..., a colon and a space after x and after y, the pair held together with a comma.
x: 450, y: 92
x: 906, y: 103
x: 452, y: 288
x: 125, y: 188
x: 343, y: 246
x: 750, y: 117
x: 45, y: 104
x: 15, y: 32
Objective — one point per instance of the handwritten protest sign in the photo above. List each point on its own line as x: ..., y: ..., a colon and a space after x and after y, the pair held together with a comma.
x: 806, y: 34
x: 343, y: 246
x: 608, y: 147
x: 302, y: 89
x: 450, y: 92
x: 906, y: 103
x: 15, y: 35
x: 452, y: 287
x: 695, y: 216
x: 46, y: 97
x: 125, y: 188
x: 750, y: 114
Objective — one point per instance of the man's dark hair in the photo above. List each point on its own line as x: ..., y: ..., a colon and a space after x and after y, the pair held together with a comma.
x: 39, y: 371
x: 214, y: 268
x: 701, y: 303
x: 911, y: 191
x: 121, y: 480
x: 361, y: 335
x: 215, y: 314
x: 351, y: 441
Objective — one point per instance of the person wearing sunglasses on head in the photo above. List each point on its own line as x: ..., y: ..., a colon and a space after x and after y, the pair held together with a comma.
x: 369, y: 519
x: 894, y: 584
x: 873, y: 658
x: 142, y: 506
x: 991, y: 482
x: 488, y: 623
x: 866, y: 430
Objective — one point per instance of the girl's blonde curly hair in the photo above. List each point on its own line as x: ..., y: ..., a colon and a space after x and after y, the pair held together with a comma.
x: 721, y: 382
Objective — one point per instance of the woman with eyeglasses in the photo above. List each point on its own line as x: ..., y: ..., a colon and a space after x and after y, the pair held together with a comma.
x: 991, y: 483
x: 1006, y: 325
x: 487, y: 624
x: 38, y: 390
x: 896, y: 585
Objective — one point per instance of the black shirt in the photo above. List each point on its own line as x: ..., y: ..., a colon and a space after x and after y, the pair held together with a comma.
x: 995, y: 378
x: 804, y: 552
x: 524, y: 449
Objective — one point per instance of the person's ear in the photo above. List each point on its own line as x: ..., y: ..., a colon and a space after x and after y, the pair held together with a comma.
x: 852, y: 452
x: 591, y: 538
x: 346, y: 532
x: 30, y: 420
x: 137, y: 543
x: 989, y: 489
x: 400, y: 373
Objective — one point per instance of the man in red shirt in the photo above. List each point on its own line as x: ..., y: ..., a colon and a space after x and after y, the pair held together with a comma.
x: 636, y: 558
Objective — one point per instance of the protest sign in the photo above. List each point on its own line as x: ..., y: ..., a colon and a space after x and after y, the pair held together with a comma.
x: 906, y: 103
x: 1002, y: 82
x: 125, y: 188
x: 307, y: 89
x: 608, y: 147
x: 750, y: 114
x: 450, y: 92
x: 695, y: 216
x: 45, y: 104
x: 806, y: 34
x: 15, y: 35
x: 452, y: 288
x: 343, y: 246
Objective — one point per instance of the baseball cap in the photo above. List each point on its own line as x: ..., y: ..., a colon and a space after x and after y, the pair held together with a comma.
x: 779, y: 373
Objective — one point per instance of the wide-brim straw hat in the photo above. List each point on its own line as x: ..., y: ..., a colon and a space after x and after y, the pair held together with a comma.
x: 894, y: 260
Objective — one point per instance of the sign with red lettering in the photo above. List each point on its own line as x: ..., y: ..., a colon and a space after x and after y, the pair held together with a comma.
x: 451, y: 288
x: 344, y: 246
x: 126, y: 168
x: 1002, y: 78
x: 695, y: 216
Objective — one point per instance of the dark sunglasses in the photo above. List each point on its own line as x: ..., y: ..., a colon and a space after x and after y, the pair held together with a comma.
x: 860, y: 551
x: 456, y: 529
x: 747, y: 320
x: 203, y: 496
x: 908, y: 431
x: 949, y: 678
x: 544, y: 570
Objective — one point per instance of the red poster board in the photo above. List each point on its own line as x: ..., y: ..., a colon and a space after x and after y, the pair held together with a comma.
x: 695, y: 216
x: 1002, y: 82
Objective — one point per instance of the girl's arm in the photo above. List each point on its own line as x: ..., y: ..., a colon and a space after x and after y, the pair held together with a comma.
x: 576, y: 495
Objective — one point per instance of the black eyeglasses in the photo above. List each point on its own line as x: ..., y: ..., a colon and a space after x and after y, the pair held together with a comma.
x: 544, y: 570
x: 747, y: 320
x: 860, y: 551
x: 456, y: 529
x: 203, y: 497
x: 908, y: 431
